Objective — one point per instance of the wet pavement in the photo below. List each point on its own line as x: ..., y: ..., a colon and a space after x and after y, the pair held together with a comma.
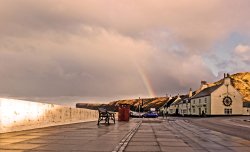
x: 176, y: 135
x: 75, y: 137
x: 172, y: 134
x: 234, y: 125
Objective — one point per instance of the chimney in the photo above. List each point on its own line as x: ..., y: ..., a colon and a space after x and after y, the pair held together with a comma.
x: 203, y: 82
x: 227, y: 79
x: 190, y: 93
x: 203, y: 85
x: 178, y: 96
x: 224, y: 75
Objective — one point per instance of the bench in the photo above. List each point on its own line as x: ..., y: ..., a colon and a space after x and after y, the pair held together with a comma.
x: 105, y: 115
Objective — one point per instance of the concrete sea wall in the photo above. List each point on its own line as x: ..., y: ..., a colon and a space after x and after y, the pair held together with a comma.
x: 16, y: 115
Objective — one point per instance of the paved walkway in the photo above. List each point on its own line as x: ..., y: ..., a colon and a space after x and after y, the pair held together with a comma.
x: 75, y: 137
x: 174, y: 135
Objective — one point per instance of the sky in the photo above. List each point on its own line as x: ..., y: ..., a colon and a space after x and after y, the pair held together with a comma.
x: 63, y: 52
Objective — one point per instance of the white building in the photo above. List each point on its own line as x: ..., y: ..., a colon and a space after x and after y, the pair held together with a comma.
x: 172, y: 106
x: 222, y: 99
x: 185, y: 104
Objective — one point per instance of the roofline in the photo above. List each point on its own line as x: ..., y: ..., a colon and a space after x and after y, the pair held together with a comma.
x: 219, y: 85
x: 201, y: 96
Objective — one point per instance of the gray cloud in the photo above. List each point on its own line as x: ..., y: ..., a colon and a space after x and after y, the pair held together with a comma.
x: 95, y: 49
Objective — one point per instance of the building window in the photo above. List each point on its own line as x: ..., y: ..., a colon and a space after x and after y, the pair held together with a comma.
x: 193, y: 110
x: 199, y: 101
x: 184, y: 111
x: 194, y: 102
x: 205, y: 100
x: 205, y: 110
x: 228, y: 111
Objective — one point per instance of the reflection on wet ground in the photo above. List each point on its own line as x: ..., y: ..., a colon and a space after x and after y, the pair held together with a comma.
x: 172, y: 134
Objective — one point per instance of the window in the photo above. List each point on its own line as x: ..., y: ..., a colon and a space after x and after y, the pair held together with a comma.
x: 205, y: 100
x: 199, y: 101
x: 193, y: 110
x: 228, y: 111
x: 184, y: 111
x: 194, y: 102
x: 205, y: 110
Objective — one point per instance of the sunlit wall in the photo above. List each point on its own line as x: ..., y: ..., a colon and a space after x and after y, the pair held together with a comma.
x: 246, y: 111
x: 18, y: 115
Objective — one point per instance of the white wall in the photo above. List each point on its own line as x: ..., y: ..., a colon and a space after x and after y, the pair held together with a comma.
x: 16, y: 115
x: 172, y: 109
x: 183, y: 109
x: 246, y: 111
x: 217, y: 100
x: 197, y: 103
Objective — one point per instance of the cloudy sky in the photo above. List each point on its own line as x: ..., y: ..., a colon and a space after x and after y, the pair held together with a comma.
x: 63, y: 51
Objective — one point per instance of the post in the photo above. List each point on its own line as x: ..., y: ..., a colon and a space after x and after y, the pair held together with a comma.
x: 142, y: 109
x: 139, y: 107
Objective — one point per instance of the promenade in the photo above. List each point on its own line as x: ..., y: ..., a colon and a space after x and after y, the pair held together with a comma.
x: 133, y: 136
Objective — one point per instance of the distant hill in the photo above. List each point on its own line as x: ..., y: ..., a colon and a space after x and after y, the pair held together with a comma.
x: 134, y: 104
x: 241, y: 81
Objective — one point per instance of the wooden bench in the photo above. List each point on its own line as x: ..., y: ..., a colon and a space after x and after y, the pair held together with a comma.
x: 105, y: 115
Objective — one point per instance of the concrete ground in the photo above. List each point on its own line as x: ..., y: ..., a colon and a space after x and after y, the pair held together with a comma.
x: 172, y: 134
x: 236, y: 125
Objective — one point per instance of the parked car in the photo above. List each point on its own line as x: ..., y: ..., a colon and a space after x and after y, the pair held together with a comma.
x: 150, y: 114
x: 135, y: 114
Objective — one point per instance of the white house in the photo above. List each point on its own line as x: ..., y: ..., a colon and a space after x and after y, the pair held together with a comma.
x: 222, y: 99
x: 172, y: 105
x: 185, y: 104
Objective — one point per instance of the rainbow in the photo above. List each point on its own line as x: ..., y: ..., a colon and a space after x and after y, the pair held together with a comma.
x: 145, y: 80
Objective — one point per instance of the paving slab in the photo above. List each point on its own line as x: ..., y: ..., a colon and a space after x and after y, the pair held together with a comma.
x: 142, y: 143
x: 136, y: 148
x: 176, y: 149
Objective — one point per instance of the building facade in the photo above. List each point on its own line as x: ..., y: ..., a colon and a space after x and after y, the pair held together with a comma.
x: 220, y: 99
x: 173, y: 108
